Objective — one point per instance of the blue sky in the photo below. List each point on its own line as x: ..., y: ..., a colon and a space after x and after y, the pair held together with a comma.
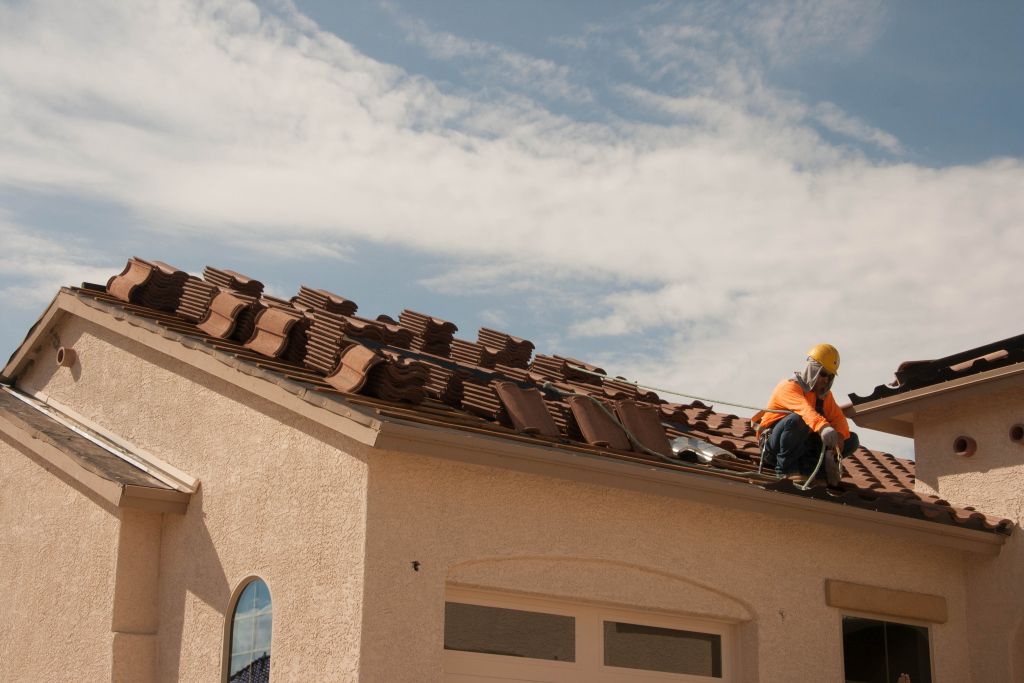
x: 689, y: 194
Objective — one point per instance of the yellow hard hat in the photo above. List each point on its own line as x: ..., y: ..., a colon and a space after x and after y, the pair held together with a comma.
x: 827, y: 355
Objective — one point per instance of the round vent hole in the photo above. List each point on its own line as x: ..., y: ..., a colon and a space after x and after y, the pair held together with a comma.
x: 965, y: 446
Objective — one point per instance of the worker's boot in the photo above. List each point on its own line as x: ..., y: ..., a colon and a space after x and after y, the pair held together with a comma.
x: 833, y: 469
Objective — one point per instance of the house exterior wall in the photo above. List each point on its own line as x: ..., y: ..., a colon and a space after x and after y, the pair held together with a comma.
x: 57, y: 571
x: 281, y: 498
x: 991, y: 481
x: 483, y: 527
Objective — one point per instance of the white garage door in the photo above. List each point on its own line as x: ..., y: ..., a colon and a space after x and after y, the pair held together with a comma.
x: 492, y: 637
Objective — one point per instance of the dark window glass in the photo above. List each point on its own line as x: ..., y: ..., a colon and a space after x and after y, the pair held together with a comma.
x: 881, y: 651
x: 250, y: 635
x: 662, y: 649
x: 509, y: 632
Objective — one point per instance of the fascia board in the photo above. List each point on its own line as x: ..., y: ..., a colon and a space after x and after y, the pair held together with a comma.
x: 451, y: 444
x: 890, y: 414
x: 261, y: 383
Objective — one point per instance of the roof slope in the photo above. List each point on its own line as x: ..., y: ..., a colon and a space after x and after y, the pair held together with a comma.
x: 414, y: 369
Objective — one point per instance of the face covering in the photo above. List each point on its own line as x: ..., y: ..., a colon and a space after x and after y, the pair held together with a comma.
x: 807, y: 378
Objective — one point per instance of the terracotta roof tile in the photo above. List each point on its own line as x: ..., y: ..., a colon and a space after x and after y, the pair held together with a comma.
x: 229, y: 279
x: 526, y: 408
x: 222, y: 315
x: 322, y: 300
x: 152, y: 284
x: 492, y: 386
x: 273, y: 325
x: 597, y: 426
x: 918, y: 374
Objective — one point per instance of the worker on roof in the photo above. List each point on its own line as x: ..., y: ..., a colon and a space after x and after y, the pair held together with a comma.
x: 806, y: 417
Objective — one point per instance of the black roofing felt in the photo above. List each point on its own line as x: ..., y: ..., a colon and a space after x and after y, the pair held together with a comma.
x: 89, y: 455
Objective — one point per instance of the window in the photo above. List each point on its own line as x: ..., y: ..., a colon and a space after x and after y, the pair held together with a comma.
x: 515, y: 638
x: 882, y: 651
x: 249, y: 656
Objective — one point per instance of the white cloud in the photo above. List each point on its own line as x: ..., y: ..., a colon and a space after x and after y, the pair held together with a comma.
x: 734, y: 232
x: 494, y: 64
x: 34, y: 266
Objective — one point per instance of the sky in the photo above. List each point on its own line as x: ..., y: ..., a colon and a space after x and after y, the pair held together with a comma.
x: 688, y: 194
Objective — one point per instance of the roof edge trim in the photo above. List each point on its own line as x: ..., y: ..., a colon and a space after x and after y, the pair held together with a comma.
x: 403, y: 436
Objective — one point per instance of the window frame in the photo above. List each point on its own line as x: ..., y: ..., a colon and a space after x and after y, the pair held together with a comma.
x: 589, y: 619
x: 229, y: 623
x: 858, y: 614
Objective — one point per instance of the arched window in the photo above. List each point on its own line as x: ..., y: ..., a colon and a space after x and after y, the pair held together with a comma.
x: 249, y: 657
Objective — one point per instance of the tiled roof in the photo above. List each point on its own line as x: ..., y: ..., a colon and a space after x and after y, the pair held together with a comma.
x: 918, y: 374
x: 415, y: 369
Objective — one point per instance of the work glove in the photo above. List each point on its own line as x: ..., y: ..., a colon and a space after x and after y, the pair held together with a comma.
x: 831, y: 438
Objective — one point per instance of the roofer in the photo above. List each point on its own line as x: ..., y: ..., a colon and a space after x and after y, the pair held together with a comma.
x: 792, y: 441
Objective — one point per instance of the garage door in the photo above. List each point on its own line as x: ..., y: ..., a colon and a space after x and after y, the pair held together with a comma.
x: 492, y: 637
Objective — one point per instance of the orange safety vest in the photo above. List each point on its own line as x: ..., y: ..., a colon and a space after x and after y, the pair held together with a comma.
x: 789, y: 396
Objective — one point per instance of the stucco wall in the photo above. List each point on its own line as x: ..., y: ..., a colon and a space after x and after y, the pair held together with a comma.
x: 990, y: 480
x: 520, y: 532
x: 281, y: 498
x: 57, y: 569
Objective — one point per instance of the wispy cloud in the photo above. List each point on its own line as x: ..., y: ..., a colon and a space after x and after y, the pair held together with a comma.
x: 33, y: 265
x: 719, y: 218
x: 493, y: 64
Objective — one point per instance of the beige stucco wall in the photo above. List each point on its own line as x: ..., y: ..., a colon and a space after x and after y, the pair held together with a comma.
x: 57, y: 570
x: 486, y: 527
x: 281, y: 498
x: 990, y: 480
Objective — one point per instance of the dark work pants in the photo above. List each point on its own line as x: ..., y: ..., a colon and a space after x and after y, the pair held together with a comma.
x: 796, y: 448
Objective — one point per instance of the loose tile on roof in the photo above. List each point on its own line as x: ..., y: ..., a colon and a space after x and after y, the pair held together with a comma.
x: 417, y: 370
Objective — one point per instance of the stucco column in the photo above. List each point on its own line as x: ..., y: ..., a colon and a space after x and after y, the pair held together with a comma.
x: 136, y: 584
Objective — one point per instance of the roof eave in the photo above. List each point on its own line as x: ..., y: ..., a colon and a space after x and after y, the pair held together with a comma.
x: 451, y: 444
x: 896, y: 414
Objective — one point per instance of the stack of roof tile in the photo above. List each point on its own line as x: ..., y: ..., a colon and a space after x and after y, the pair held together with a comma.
x: 398, y: 379
x: 393, y: 332
x: 326, y: 341
x: 152, y: 284
x: 221, y: 319
x: 195, y: 299
x: 443, y: 384
x: 229, y: 279
x: 322, y: 300
x: 479, y: 398
x: 510, y: 350
x: 430, y: 335
x: 273, y: 329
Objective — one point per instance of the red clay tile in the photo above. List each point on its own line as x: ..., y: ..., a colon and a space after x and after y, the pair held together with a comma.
x: 272, y: 328
x: 224, y: 309
x: 353, y: 368
x: 598, y: 428
x: 644, y: 423
x: 526, y: 408
x: 229, y: 279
